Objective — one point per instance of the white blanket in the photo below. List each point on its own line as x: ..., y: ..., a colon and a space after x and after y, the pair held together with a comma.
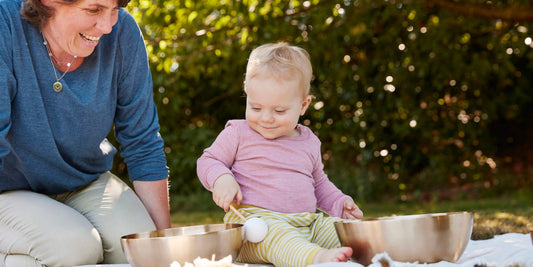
x: 508, y: 250
x: 501, y: 251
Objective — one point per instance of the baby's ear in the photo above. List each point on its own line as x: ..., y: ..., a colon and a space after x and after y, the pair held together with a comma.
x: 305, y: 105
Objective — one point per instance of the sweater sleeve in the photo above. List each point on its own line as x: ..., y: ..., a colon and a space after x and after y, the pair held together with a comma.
x: 330, y: 199
x: 136, y: 122
x: 219, y: 157
x: 7, y: 84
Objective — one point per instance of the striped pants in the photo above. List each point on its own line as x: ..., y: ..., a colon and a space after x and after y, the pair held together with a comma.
x: 293, y: 239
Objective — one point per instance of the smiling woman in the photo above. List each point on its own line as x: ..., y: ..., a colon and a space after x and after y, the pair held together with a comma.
x: 70, y: 71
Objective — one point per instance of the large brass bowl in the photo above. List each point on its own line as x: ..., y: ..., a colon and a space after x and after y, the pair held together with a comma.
x: 182, y: 244
x: 426, y: 238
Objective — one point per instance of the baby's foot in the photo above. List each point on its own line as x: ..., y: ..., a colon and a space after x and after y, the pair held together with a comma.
x: 333, y: 255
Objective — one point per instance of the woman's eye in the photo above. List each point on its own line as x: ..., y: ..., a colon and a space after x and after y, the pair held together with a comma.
x: 93, y: 11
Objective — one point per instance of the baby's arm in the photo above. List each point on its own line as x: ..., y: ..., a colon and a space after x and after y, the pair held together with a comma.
x: 225, y: 190
x: 214, y: 167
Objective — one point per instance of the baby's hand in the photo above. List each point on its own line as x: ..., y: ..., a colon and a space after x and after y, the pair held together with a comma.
x: 351, y: 211
x: 225, y: 190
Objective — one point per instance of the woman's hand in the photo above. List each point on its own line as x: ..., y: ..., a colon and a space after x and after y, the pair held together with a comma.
x: 226, y: 190
x: 351, y: 211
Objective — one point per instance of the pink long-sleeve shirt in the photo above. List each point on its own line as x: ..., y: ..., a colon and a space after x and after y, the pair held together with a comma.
x: 284, y: 174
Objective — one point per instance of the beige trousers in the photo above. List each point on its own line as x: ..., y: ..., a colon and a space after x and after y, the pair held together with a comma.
x: 76, y: 228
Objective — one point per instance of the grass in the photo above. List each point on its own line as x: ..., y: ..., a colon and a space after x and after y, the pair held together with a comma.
x: 492, y: 216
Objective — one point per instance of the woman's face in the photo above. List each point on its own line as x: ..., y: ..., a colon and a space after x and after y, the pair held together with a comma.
x: 75, y: 29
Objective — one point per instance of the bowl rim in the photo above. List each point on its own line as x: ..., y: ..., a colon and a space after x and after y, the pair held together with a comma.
x: 159, y: 233
x: 406, y: 217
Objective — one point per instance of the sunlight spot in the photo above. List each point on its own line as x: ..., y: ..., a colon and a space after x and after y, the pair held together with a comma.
x: 347, y: 58
x: 412, y: 123
x: 423, y: 30
x: 370, y: 89
x: 174, y: 67
x: 362, y: 143
x: 389, y: 79
x: 463, y: 117
x: 383, y: 152
x: 466, y: 163
x: 401, y: 47
x: 509, y: 51
x: 527, y: 41
x: 491, y: 163
x: 200, y: 32
x: 389, y: 88
x: 318, y: 105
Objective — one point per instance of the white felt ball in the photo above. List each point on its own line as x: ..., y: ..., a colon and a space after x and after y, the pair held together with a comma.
x: 255, y: 229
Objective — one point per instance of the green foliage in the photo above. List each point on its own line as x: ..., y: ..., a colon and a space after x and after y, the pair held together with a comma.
x: 492, y: 216
x: 411, y: 97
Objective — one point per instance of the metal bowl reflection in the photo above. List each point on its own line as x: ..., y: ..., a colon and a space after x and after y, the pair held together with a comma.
x: 182, y: 244
x: 426, y: 238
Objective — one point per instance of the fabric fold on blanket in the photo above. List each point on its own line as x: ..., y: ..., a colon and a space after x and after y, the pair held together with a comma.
x: 507, y: 250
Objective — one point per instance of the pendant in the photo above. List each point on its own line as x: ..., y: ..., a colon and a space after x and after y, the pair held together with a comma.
x: 58, y: 86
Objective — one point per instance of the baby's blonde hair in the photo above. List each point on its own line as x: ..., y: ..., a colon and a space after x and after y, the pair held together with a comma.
x: 281, y: 61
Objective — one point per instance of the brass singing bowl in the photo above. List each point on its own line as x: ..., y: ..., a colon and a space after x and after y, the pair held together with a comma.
x: 426, y: 238
x: 182, y: 244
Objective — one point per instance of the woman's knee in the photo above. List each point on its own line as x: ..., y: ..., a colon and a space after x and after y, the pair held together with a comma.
x: 74, y: 247
x: 47, y: 231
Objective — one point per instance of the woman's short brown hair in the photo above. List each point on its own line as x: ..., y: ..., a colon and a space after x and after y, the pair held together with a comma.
x: 38, y: 14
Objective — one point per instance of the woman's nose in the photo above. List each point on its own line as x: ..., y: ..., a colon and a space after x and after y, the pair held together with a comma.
x: 105, y: 23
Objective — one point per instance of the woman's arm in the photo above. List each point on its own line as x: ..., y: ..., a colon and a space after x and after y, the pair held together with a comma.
x: 154, y: 196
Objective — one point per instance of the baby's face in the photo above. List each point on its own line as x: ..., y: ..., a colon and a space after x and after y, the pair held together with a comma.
x: 273, y: 106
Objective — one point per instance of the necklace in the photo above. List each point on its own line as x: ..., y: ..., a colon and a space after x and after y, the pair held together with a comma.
x: 57, y: 85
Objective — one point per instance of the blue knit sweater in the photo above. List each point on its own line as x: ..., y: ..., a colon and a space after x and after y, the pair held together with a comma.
x: 54, y: 142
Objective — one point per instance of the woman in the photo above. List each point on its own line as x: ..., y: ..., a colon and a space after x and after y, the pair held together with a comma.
x: 70, y: 71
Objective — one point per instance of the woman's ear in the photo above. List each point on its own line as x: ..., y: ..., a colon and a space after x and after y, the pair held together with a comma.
x: 305, y: 104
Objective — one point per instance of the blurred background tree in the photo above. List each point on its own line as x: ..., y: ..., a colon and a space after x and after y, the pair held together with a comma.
x: 415, y: 100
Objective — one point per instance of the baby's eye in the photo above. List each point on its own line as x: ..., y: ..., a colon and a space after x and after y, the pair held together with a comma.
x: 280, y: 111
x: 256, y: 109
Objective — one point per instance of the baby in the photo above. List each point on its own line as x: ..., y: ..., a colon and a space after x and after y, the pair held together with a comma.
x: 271, y: 167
